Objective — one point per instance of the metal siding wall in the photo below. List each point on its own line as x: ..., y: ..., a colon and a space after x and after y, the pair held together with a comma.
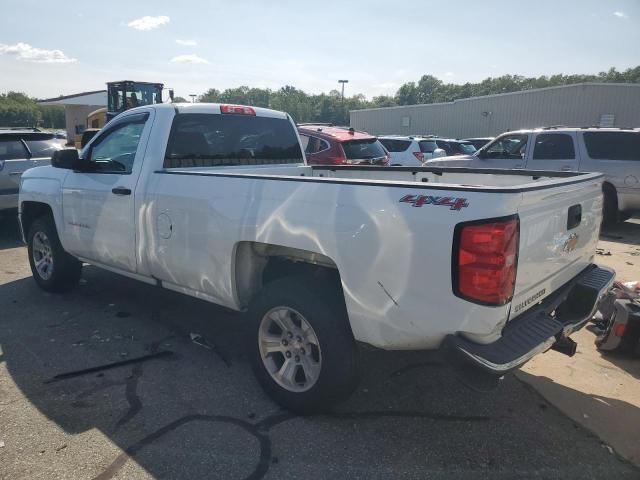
x: 574, y: 105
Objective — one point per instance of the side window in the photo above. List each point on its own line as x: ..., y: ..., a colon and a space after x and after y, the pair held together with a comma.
x: 115, y: 150
x: 315, y: 145
x: 12, y: 150
x: 509, y: 147
x: 613, y: 145
x: 428, y: 146
x: 553, y: 146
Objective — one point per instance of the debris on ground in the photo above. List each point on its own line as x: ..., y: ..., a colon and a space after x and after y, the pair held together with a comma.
x: 77, y: 373
x: 1, y: 444
x: 603, y: 252
x: 200, y: 340
x: 609, y: 449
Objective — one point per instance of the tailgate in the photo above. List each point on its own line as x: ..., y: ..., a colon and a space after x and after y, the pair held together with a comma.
x: 559, y: 228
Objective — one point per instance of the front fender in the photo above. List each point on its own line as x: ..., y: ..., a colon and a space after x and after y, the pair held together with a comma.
x: 44, y: 185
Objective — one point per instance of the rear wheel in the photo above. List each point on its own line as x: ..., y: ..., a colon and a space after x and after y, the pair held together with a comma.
x: 52, y: 268
x: 302, y: 349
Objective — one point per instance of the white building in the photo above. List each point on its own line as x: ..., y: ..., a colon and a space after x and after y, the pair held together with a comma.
x: 76, y: 109
x: 583, y: 104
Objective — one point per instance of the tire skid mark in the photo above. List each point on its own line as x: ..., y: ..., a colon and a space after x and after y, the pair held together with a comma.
x: 260, y: 431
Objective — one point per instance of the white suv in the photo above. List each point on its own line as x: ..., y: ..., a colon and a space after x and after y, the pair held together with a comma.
x: 612, y: 151
x: 411, y: 151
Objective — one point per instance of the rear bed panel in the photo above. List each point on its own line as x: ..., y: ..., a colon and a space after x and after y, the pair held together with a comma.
x: 550, y: 253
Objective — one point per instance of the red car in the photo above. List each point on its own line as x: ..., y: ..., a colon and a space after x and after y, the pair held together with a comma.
x: 330, y: 145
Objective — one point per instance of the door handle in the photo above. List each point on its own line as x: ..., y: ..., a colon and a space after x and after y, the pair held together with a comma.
x: 566, y: 168
x: 121, y: 191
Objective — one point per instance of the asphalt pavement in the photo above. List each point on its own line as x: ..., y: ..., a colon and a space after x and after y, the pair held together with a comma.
x: 197, y: 412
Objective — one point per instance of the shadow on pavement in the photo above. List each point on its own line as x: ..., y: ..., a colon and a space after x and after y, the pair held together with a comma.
x: 627, y: 362
x: 9, y: 231
x: 200, y: 414
x: 624, y: 232
x: 615, y: 420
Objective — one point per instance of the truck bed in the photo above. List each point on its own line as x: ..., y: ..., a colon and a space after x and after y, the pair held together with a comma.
x: 450, y: 178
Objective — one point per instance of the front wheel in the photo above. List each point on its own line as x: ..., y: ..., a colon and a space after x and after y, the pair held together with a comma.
x: 302, y: 349
x: 53, y: 269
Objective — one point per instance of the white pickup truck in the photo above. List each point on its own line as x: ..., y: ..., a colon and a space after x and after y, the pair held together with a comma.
x: 217, y: 202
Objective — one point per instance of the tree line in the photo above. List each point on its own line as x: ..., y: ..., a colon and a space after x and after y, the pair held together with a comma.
x: 304, y: 107
x: 19, y: 110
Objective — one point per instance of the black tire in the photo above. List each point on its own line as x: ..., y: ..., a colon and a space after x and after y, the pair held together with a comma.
x: 610, y: 215
x: 66, y: 269
x: 323, y: 308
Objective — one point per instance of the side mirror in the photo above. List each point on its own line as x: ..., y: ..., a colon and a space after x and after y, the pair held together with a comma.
x: 67, y: 158
x: 171, y: 94
x: 482, y: 154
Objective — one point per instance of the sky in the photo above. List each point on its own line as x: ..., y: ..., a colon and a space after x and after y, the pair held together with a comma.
x: 74, y: 46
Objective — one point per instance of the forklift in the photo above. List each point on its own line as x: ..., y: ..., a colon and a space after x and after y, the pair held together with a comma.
x: 121, y: 96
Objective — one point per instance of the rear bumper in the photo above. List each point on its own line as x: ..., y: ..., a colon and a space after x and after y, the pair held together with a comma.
x: 543, y: 327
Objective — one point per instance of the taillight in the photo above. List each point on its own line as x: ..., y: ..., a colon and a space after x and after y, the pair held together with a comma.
x: 419, y: 156
x: 237, y: 110
x: 486, y: 260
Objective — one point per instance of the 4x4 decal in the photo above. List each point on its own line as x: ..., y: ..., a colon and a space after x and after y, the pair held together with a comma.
x: 420, y: 200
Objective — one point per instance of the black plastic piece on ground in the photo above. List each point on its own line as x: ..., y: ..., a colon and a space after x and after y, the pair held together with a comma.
x: 565, y: 345
x: 77, y: 373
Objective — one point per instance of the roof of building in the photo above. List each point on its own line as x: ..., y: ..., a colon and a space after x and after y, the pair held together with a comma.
x: 519, y: 92
x: 82, y: 98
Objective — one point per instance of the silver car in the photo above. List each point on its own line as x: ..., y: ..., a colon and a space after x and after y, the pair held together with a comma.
x: 19, y: 151
x: 612, y: 151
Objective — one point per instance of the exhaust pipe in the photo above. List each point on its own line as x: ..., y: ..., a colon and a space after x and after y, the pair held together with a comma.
x: 565, y: 345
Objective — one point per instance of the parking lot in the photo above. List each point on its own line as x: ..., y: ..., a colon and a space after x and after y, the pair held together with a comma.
x: 197, y: 412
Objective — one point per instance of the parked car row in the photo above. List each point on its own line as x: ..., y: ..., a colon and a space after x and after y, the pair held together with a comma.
x: 612, y: 151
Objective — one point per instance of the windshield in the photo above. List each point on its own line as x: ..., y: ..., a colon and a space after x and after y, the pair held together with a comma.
x: 122, y: 96
x: 363, y: 149
x: 395, y: 145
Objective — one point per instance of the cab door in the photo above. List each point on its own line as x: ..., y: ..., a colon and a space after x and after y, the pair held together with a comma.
x: 98, y: 201
x: 554, y: 151
x: 507, y: 151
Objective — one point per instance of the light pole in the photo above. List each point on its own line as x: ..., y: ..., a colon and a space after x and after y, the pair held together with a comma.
x: 193, y: 97
x: 342, y: 96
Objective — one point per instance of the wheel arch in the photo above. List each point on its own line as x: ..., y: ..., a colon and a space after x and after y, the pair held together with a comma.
x: 30, y: 211
x: 257, y: 264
